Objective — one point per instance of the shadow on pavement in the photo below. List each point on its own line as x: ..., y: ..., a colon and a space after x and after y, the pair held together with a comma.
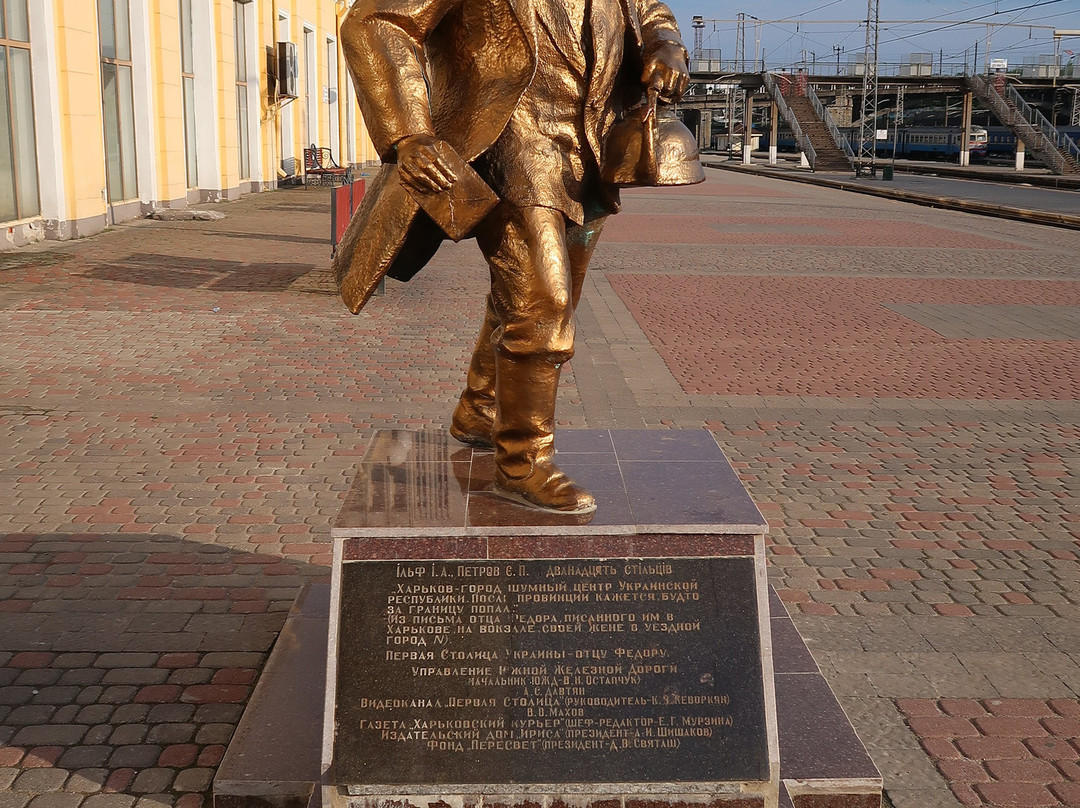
x: 200, y: 273
x: 126, y: 661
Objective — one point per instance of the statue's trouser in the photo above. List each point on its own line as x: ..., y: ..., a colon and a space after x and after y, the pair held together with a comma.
x: 538, y: 264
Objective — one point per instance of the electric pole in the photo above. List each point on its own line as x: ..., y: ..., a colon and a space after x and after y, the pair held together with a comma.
x: 868, y: 125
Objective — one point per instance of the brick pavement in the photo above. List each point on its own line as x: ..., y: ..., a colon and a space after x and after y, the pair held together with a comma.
x: 182, y: 413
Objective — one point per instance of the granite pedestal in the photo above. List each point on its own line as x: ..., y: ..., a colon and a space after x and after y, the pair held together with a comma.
x: 483, y: 653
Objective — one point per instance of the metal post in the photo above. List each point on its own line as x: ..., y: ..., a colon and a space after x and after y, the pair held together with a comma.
x: 965, y: 145
x: 898, y: 117
x: 1020, y: 152
x: 748, y: 120
x: 774, y: 124
x: 867, y: 156
x: 730, y: 90
x: 740, y: 44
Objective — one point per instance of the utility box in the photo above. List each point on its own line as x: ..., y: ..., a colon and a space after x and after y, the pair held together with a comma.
x: 287, y: 70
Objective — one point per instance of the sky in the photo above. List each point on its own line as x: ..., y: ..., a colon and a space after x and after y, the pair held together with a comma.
x: 784, y: 44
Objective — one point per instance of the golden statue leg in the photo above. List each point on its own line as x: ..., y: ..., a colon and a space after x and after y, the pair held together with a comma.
x: 532, y: 292
x: 474, y: 415
x: 525, y: 437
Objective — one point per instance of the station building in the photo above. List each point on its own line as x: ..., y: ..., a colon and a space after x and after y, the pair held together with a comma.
x: 109, y: 108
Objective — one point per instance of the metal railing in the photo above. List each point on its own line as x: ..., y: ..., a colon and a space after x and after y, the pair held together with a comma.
x: 1012, y: 110
x: 804, y: 144
x: 1062, y: 142
x: 834, y: 131
x: 708, y: 62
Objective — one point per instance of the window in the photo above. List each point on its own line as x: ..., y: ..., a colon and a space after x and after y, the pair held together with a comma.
x: 288, y: 151
x: 240, y: 38
x: 333, y: 128
x: 114, y: 38
x: 18, y: 155
x: 187, y: 79
x: 311, y: 98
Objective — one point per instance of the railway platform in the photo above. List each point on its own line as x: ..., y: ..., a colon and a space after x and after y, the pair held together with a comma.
x: 973, y: 189
x: 183, y: 408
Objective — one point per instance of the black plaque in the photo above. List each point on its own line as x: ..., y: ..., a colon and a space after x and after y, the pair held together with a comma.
x: 563, y: 671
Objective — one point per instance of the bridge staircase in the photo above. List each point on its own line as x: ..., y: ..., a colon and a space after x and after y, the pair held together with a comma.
x: 1056, y: 149
x: 816, y: 133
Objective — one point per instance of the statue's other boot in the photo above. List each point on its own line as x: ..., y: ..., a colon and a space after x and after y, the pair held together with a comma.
x: 474, y: 415
x: 524, y: 437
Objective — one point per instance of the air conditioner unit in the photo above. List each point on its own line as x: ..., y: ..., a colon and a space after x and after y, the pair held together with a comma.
x: 287, y: 70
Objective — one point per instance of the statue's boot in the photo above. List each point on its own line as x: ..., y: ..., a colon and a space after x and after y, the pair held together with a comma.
x: 524, y: 437
x: 474, y: 415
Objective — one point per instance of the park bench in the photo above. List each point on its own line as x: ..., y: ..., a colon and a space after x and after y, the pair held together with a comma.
x: 320, y: 168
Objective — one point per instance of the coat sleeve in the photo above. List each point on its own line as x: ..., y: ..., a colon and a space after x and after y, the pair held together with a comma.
x: 658, y: 28
x: 383, y: 41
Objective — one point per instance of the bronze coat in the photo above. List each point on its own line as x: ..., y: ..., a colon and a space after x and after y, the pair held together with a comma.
x: 456, y: 69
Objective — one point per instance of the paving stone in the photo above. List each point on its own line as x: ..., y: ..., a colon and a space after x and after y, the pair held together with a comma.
x: 171, y: 733
x: 169, y: 713
x: 97, y: 734
x: 128, y: 734
x: 56, y: 800
x: 153, y: 781
x: 38, y: 677
x: 31, y: 714
x: 35, y: 781
x: 131, y: 714
x: 49, y: 734
x: 65, y: 714
x: 196, y: 779
x: 135, y: 756
x: 79, y: 757
x: 151, y: 800
x: 87, y: 781
x: 108, y: 801
x: 56, y: 694
x: 925, y: 458
x: 214, y: 733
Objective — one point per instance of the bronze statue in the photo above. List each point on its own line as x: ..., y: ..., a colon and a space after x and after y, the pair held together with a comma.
x: 526, y: 92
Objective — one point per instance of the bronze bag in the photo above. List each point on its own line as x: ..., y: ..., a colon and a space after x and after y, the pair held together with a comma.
x: 650, y: 146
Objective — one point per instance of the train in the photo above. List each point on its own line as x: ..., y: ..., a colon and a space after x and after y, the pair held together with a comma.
x: 932, y: 142
x: 1001, y: 141
x: 911, y: 142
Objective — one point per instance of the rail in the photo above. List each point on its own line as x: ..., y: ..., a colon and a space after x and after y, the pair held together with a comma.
x: 826, y: 117
x: 709, y: 61
x: 1062, y: 142
x: 801, y: 139
x: 1056, y: 146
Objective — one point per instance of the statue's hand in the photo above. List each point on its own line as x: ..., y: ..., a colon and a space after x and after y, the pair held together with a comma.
x: 420, y: 166
x: 666, y: 71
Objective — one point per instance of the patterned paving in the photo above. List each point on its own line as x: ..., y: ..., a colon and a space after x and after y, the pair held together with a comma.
x: 842, y: 337
x: 1014, y: 753
x: 181, y: 419
x: 974, y: 321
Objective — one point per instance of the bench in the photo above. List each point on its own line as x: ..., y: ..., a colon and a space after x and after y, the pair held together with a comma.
x: 320, y: 168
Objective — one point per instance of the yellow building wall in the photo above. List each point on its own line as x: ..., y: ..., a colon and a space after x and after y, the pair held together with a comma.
x: 78, y: 97
x: 268, y: 127
x: 228, y: 136
x: 80, y: 108
x: 168, y: 100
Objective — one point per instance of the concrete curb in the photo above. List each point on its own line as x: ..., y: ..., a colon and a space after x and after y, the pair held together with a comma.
x: 946, y: 202
x: 1054, y: 182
